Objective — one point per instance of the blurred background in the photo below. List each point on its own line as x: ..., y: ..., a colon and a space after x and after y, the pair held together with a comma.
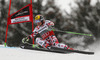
x: 82, y: 16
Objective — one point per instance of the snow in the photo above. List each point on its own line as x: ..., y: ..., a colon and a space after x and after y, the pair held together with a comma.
x: 22, y: 54
x: 93, y: 2
x: 49, y: 10
x: 65, y: 4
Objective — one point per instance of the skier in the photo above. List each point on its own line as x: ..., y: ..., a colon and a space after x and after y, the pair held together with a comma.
x: 47, y: 37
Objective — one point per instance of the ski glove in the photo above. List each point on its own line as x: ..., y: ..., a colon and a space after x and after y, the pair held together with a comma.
x: 25, y: 40
x: 50, y: 28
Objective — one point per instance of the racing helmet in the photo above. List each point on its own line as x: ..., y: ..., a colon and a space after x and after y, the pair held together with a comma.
x: 39, y: 18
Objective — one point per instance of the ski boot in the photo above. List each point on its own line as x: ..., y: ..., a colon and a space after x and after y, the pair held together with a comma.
x: 68, y: 48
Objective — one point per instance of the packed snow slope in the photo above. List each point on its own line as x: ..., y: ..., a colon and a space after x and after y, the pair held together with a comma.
x: 22, y: 54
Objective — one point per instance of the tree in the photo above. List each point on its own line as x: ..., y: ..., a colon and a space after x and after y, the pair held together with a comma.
x: 3, y: 19
x: 87, y: 17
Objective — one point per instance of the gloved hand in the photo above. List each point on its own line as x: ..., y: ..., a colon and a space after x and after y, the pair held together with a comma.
x: 50, y: 28
x: 25, y: 40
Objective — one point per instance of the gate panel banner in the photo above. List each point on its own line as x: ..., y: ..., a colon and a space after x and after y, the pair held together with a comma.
x: 23, y: 15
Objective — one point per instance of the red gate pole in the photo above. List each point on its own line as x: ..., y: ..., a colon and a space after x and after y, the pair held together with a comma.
x: 32, y: 19
x: 6, y: 35
x: 7, y: 23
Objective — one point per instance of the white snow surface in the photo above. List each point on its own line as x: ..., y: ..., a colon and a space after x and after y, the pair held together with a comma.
x: 22, y: 54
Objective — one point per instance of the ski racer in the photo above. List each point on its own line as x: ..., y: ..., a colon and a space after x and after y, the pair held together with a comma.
x: 47, y: 37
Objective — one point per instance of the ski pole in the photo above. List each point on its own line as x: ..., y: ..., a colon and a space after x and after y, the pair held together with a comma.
x: 72, y: 32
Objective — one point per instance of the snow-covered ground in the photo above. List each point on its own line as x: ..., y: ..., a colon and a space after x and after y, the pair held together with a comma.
x: 21, y: 54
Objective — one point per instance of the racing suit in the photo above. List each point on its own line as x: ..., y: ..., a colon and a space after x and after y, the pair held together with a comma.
x: 48, y: 37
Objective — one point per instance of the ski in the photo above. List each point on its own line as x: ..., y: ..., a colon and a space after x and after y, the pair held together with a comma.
x: 42, y: 49
x: 58, y: 50
x: 75, y: 51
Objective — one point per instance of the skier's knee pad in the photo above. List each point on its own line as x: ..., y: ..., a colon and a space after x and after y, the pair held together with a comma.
x: 40, y: 42
x: 37, y: 39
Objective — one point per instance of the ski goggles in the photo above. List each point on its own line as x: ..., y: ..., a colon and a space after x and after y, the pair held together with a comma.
x: 37, y: 21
